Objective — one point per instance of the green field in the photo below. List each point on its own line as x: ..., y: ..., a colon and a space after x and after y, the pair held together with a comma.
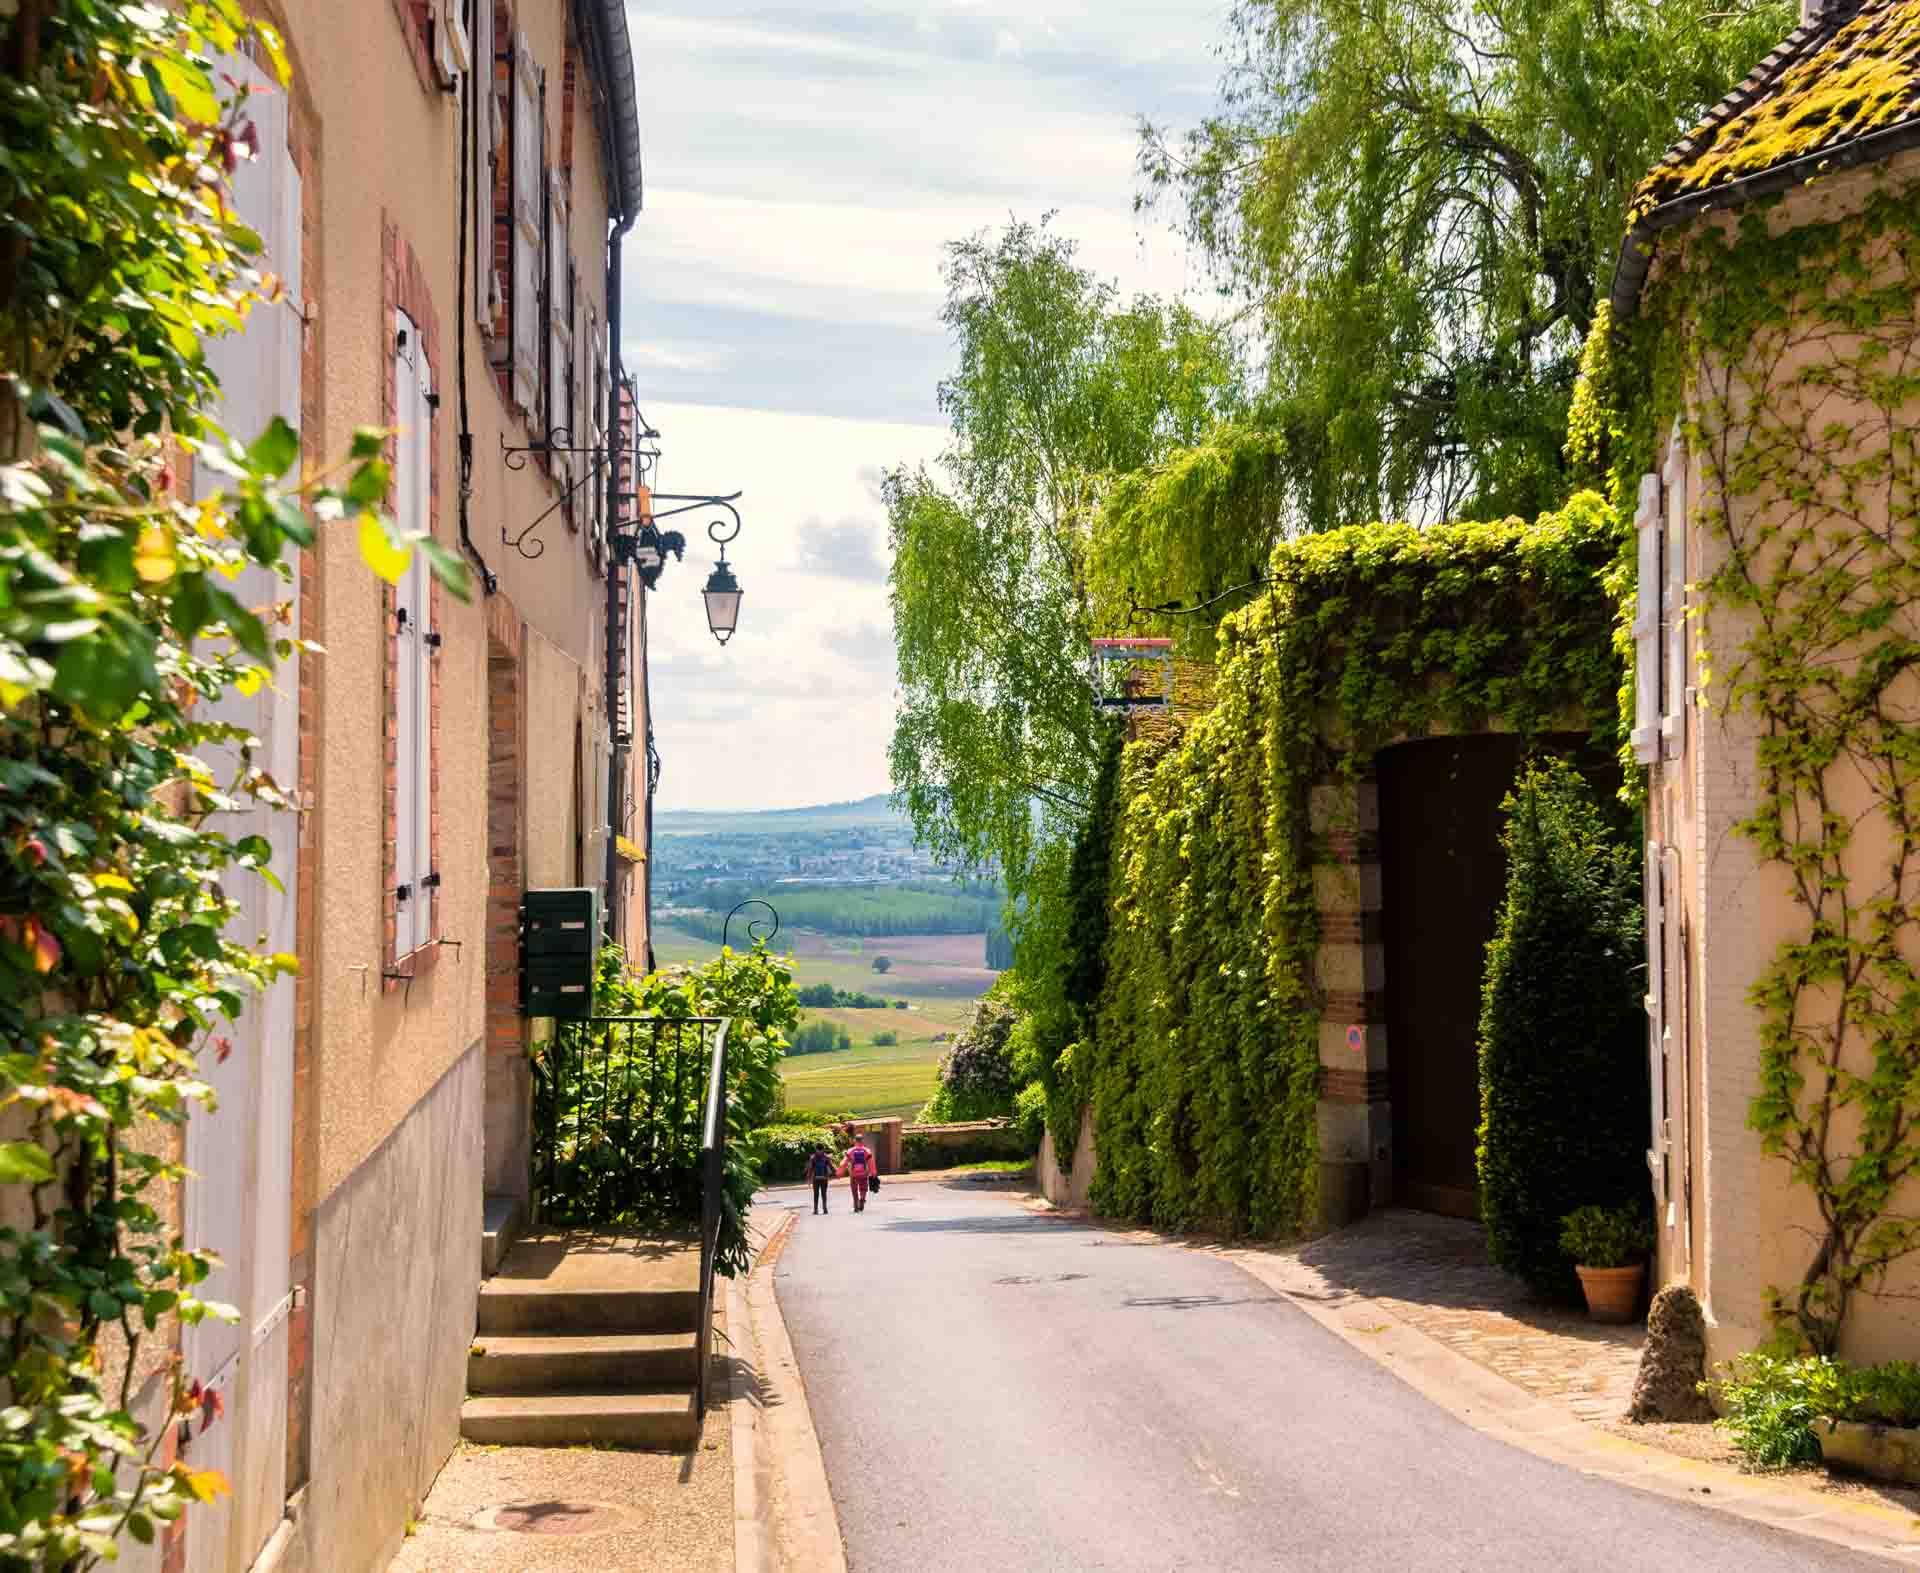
x: 868, y: 1079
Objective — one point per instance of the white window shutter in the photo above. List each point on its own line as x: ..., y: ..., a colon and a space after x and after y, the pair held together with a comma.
x: 248, y: 363
x: 424, y: 656
x: 486, y: 137
x: 1656, y: 913
x: 1673, y: 713
x: 1646, y: 625
x: 406, y: 628
x: 413, y: 653
x: 290, y: 317
x: 527, y: 206
x: 559, y: 335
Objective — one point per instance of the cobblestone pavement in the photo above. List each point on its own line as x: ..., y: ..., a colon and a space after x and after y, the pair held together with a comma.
x: 1433, y: 1273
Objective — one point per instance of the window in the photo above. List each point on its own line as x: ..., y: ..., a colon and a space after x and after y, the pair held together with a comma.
x: 415, y: 644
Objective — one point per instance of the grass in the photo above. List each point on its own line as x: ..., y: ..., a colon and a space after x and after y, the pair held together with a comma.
x: 869, y: 1082
x: 992, y: 1166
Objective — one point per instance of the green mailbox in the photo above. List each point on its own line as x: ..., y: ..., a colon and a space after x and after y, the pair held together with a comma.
x: 559, y: 945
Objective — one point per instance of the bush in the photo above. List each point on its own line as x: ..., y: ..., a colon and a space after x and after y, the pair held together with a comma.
x: 1563, y: 1057
x: 900, y: 1005
x: 885, y: 1040
x: 813, y: 1117
x: 784, y: 1150
x: 1607, y: 1236
x: 1030, y: 1114
x: 1772, y: 1402
x: 976, y: 1075
x: 820, y: 1037
x: 1009, y: 1142
x: 883, y: 964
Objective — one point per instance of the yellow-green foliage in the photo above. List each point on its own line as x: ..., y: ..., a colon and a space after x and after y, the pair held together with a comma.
x: 1863, y: 79
x: 1203, y: 1068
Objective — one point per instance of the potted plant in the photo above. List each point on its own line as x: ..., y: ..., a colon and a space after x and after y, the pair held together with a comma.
x: 1609, y: 1248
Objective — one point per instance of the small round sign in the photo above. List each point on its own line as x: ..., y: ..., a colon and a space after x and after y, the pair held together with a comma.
x: 1357, y: 1039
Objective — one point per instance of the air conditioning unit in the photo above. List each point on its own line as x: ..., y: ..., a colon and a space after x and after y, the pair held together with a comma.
x: 453, y: 49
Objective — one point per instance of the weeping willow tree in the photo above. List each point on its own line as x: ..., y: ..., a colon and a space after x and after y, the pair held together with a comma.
x: 1059, y: 388
x: 1420, y: 202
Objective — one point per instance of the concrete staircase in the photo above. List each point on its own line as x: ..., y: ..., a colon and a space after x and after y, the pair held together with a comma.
x: 587, y: 1338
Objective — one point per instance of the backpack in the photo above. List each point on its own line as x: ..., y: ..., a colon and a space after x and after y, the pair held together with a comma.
x: 820, y: 1166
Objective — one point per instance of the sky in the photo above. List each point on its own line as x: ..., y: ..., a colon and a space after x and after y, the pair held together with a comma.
x: 804, y: 164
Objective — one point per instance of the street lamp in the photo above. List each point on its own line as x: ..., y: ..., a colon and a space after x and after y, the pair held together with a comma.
x: 647, y: 548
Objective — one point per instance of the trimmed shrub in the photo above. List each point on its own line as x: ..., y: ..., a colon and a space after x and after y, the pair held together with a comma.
x: 1563, y: 1055
x: 885, y: 1040
x: 1030, y: 1114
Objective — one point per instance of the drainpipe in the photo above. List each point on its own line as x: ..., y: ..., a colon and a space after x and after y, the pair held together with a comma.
x: 612, y: 49
x: 464, y: 271
x: 616, y: 634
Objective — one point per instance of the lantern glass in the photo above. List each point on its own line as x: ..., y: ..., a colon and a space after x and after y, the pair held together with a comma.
x: 723, y: 602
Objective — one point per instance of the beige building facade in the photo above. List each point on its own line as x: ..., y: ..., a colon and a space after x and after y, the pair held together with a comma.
x: 1732, y: 1220
x: 442, y: 189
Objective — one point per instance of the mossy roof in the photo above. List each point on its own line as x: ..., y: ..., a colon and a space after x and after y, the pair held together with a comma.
x: 1850, y: 73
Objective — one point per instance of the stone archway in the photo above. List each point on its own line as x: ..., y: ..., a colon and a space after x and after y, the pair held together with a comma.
x: 1407, y: 903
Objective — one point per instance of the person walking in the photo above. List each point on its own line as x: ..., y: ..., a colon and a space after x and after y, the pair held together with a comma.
x: 858, y: 1167
x: 820, y: 1168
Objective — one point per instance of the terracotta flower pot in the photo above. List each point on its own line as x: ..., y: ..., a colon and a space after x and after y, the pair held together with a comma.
x: 1613, y: 1293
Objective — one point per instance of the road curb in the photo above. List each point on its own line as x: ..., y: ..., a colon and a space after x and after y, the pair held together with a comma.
x: 784, y: 1517
x: 1500, y: 1409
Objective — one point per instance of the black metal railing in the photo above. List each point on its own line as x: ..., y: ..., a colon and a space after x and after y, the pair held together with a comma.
x: 713, y: 1170
x: 619, y: 1119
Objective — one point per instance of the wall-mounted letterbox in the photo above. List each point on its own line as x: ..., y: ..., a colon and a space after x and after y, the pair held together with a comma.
x: 559, y: 944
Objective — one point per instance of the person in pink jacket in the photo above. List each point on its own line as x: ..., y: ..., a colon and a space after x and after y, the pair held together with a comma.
x: 858, y: 1167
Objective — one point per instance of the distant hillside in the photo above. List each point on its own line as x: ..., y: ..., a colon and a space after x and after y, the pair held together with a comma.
x: 873, y: 812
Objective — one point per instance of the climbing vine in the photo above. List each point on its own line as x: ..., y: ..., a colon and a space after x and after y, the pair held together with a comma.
x: 119, y: 632
x: 1203, y: 1066
x: 1793, y: 359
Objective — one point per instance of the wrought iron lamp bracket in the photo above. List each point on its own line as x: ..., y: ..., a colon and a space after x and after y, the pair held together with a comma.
x: 1138, y: 614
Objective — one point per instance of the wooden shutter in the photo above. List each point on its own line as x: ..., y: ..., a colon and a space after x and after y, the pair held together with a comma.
x: 487, y: 139
x: 559, y: 332
x: 1646, y: 625
x: 1657, y: 893
x: 413, y: 624
x: 1673, y: 602
x: 527, y: 215
x: 594, y: 419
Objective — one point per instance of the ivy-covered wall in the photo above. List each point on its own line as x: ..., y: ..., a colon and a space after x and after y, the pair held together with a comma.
x: 1203, y: 1069
x: 1785, y: 340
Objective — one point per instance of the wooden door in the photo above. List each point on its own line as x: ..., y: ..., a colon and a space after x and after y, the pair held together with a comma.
x: 1443, y: 875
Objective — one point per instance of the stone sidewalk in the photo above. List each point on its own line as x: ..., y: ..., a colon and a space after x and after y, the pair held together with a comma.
x: 1432, y: 1273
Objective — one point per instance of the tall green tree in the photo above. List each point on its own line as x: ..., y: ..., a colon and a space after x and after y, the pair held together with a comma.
x: 1059, y: 388
x: 1421, y: 201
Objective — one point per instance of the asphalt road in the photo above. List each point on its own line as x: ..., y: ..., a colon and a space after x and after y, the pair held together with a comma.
x: 997, y: 1392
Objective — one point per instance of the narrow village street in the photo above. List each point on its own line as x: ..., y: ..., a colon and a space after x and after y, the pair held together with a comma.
x: 995, y: 1388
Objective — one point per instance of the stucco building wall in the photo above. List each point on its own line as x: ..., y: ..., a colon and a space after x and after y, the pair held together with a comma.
x: 392, y: 1104
x: 1736, y: 1225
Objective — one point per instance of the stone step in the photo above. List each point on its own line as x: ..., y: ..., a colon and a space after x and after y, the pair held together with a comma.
x: 660, y: 1420
x: 513, y: 1305
x: 583, y: 1363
